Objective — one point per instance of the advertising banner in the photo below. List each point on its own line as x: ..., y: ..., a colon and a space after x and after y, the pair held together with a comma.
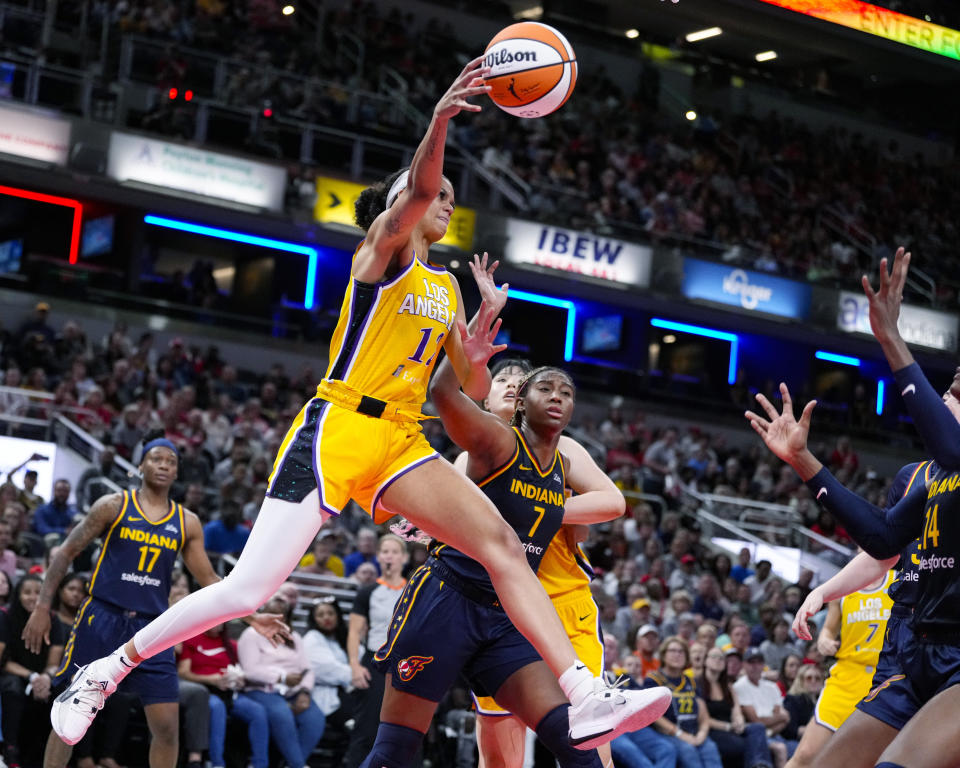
x: 745, y: 289
x: 36, y: 136
x: 920, y: 326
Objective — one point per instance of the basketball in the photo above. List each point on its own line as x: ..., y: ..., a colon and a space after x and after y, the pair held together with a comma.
x: 533, y: 69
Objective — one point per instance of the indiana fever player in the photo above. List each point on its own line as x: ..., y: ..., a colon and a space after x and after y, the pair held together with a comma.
x: 565, y: 574
x: 144, y: 533
x: 449, y: 620
x: 929, y: 660
x: 360, y: 438
x: 859, y: 715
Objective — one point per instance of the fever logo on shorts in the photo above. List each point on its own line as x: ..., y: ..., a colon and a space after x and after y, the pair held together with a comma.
x: 885, y: 684
x: 408, y: 667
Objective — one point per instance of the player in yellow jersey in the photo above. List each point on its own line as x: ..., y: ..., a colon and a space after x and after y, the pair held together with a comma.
x: 360, y: 438
x: 853, y: 632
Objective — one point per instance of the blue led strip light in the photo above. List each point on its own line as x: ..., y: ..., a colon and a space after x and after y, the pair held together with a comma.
x: 710, y: 333
x: 241, y: 237
x: 830, y: 357
x: 881, y: 389
x: 550, y: 301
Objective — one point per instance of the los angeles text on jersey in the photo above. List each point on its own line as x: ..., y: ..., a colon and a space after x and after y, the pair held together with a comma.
x: 435, y: 306
x: 870, y: 609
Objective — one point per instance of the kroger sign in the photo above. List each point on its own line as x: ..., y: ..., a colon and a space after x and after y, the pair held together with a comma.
x: 753, y: 291
x: 537, y: 245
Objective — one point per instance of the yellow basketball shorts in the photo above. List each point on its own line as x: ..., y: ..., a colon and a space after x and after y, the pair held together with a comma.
x: 581, y: 619
x: 345, y: 455
x: 847, y: 684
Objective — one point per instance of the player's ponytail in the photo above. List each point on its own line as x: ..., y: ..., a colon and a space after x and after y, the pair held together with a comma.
x: 373, y: 201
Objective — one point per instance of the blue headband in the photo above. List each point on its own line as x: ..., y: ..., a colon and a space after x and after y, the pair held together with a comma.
x: 160, y: 442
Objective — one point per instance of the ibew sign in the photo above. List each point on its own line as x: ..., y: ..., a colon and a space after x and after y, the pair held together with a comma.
x: 753, y: 291
x: 923, y: 327
x: 582, y: 253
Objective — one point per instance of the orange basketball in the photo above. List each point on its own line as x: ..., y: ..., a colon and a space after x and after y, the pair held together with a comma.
x: 533, y: 69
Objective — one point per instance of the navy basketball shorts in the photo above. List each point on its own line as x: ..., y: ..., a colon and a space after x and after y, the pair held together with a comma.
x: 892, y: 699
x: 444, y: 627
x: 98, y: 631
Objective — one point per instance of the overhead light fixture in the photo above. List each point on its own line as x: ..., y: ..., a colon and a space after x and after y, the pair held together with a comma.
x: 766, y: 56
x: 633, y: 33
x: 703, y: 34
x: 288, y: 10
x: 690, y: 115
x: 532, y: 12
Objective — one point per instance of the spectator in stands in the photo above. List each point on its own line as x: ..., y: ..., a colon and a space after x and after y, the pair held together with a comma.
x: 6, y: 589
x: 739, y: 743
x: 229, y: 386
x: 129, y: 433
x: 8, y: 558
x: 57, y: 515
x: 742, y: 569
x: 366, y: 573
x: 37, y: 324
x: 707, y: 634
x: 89, y: 489
x: 762, y: 703
x: 225, y: 535
x: 707, y: 604
x: 326, y: 646
x: 280, y: 680
x: 211, y: 660
x: 25, y: 678
x: 684, y: 576
x: 70, y: 594
x: 366, y: 551
x: 659, y: 460
x: 646, y: 641
x: 777, y: 647
x: 13, y: 403
x: 758, y: 581
x: 322, y: 558
x: 687, y: 721
x: 370, y: 617
x: 788, y: 670
x: 801, y: 700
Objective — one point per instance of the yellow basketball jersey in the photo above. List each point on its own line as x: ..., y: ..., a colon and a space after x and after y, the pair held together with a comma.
x: 389, y: 333
x: 863, y: 624
x: 564, y: 568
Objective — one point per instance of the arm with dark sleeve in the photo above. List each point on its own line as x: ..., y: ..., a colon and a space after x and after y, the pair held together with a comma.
x: 937, y: 426
x: 881, y: 533
x: 900, y: 482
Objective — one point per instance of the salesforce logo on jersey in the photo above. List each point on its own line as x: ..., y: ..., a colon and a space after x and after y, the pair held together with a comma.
x: 923, y: 327
x: 753, y: 291
x: 582, y: 253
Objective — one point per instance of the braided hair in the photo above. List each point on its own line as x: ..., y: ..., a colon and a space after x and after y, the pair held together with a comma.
x: 517, y: 419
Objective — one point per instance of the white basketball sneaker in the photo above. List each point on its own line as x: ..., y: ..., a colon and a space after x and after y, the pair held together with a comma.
x: 610, y: 711
x: 74, y: 710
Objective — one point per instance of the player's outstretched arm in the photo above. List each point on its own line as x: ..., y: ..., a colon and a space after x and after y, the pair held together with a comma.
x: 598, y: 499
x: 881, y: 533
x: 855, y: 575
x: 101, y: 515
x: 392, y: 228
x: 937, y: 425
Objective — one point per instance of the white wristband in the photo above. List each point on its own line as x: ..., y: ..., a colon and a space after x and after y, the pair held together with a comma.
x: 677, y: 732
x: 33, y: 676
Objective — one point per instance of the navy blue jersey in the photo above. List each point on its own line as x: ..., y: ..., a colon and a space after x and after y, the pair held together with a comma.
x: 905, y: 590
x: 133, y: 570
x: 529, y: 498
x: 937, y: 558
x: 684, y: 710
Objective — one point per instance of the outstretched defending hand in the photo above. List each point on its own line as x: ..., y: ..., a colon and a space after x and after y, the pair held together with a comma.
x: 885, y: 302
x: 479, y: 347
x: 271, y: 626
x: 811, y: 606
x: 468, y: 83
x: 783, y: 434
x: 495, y: 297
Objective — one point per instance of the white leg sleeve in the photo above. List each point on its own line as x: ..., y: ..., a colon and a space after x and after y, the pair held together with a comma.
x: 282, y: 533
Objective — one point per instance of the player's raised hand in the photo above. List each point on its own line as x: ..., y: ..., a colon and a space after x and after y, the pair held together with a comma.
x: 885, y: 302
x: 36, y: 631
x: 479, y: 346
x: 483, y: 271
x: 469, y: 83
x: 781, y: 432
x: 812, y: 605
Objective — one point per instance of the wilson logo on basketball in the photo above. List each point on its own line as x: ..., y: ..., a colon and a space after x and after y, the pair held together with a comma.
x: 408, y: 667
x: 498, y: 58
